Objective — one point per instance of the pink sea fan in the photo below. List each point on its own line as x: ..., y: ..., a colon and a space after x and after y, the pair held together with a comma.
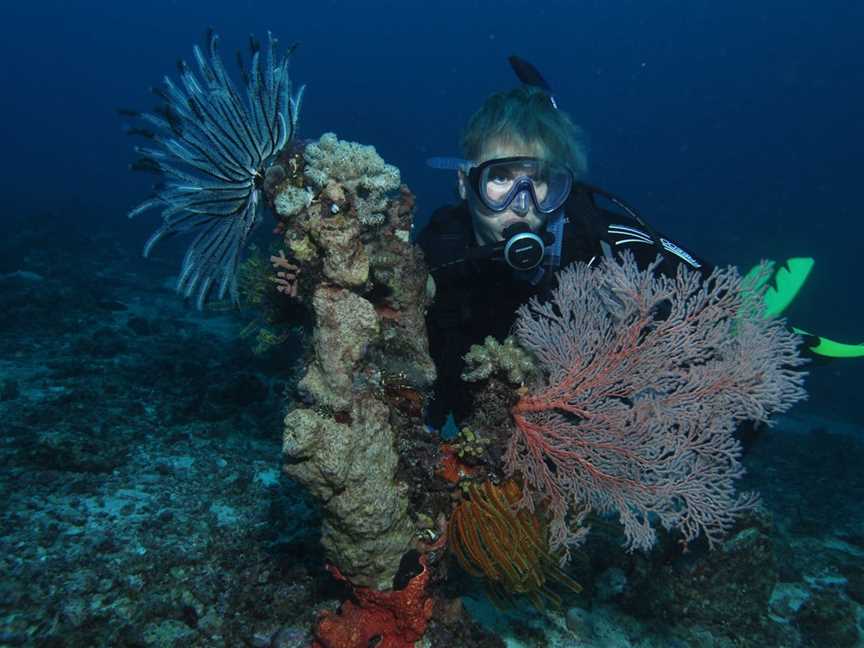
x: 646, y: 378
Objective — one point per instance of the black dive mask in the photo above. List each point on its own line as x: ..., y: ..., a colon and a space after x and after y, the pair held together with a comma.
x: 518, y: 182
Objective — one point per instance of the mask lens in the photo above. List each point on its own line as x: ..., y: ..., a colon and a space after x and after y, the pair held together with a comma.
x: 497, y: 183
x: 552, y: 186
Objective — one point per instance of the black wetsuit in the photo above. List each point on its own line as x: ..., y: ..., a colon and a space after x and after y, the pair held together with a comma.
x: 478, y: 298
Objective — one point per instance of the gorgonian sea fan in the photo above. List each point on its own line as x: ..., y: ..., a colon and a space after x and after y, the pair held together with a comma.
x: 213, y: 148
x: 646, y: 378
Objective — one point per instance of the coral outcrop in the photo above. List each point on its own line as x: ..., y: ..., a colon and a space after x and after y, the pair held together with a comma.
x: 347, y: 254
x: 351, y: 467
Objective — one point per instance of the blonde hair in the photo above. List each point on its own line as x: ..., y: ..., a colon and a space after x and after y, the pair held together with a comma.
x: 526, y: 115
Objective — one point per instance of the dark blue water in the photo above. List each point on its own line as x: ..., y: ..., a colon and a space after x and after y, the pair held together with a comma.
x: 735, y: 127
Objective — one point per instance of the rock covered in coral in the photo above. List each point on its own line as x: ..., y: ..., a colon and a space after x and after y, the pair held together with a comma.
x: 346, y: 326
x: 347, y: 230
x: 356, y: 168
x: 345, y: 261
x: 727, y: 590
x: 350, y: 467
x: 347, y: 242
x: 293, y: 200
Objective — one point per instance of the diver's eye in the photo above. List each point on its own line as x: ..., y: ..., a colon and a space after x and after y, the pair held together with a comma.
x: 499, y: 180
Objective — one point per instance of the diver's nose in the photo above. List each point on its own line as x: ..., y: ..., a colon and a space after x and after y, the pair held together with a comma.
x: 520, y: 203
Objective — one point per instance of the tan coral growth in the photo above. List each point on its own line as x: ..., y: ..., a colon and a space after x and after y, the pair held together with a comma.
x: 506, y: 357
x: 357, y: 168
x: 367, y: 364
x: 350, y: 467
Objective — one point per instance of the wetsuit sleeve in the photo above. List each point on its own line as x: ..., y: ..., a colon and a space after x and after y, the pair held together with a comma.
x: 622, y: 233
x: 674, y: 255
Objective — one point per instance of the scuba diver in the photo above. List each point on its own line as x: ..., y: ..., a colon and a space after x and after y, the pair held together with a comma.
x: 523, y: 214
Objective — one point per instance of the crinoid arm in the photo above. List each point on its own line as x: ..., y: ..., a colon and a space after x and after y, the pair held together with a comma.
x: 492, y: 538
x: 212, y: 146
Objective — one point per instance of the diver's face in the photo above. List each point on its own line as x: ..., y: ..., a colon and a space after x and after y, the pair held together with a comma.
x: 489, y: 226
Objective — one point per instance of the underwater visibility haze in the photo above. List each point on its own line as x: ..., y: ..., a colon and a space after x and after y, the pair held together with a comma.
x: 454, y: 324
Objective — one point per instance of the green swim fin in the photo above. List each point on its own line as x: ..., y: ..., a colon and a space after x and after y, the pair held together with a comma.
x: 829, y: 348
x: 787, y: 281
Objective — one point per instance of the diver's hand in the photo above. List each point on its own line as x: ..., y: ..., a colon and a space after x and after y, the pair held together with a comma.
x: 286, y: 275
